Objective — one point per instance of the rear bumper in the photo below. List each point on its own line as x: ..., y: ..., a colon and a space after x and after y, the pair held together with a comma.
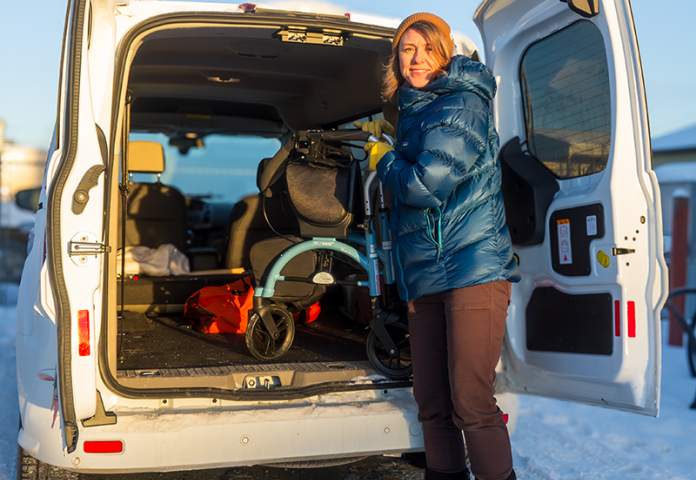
x: 170, y: 439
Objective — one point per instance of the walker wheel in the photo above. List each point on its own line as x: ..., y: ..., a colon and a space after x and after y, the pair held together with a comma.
x: 261, y: 344
x: 398, y: 364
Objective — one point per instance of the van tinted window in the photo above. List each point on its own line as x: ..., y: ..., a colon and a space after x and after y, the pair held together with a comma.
x: 567, y: 102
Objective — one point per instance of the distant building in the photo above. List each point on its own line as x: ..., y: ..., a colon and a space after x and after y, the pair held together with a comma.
x: 20, y: 167
x: 675, y: 147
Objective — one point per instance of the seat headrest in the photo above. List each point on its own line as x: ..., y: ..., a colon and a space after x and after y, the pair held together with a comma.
x: 145, y: 157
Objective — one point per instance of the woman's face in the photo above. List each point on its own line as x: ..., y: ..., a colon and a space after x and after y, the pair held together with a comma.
x: 416, y: 61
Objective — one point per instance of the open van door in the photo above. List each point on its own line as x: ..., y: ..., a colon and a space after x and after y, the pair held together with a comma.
x: 75, y: 244
x: 582, y: 202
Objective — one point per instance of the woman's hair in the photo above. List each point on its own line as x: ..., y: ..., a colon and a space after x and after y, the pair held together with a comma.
x: 393, y: 79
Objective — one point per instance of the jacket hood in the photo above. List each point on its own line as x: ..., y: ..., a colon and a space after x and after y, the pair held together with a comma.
x: 464, y: 75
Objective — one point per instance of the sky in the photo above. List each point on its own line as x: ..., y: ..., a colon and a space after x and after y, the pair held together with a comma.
x: 31, y: 36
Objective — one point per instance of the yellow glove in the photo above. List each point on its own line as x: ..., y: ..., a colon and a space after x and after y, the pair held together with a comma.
x: 376, y: 151
x: 376, y: 127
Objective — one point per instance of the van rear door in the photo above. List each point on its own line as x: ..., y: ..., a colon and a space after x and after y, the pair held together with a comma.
x: 582, y: 201
x: 75, y: 186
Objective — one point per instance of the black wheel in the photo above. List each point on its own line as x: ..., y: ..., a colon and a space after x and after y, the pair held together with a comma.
x: 29, y: 468
x: 261, y: 344
x: 691, y: 348
x: 396, y: 365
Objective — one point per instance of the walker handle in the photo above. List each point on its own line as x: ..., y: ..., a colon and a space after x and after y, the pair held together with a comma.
x: 335, y: 135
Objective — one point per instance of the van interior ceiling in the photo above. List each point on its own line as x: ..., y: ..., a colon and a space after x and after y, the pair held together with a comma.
x: 189, y: 84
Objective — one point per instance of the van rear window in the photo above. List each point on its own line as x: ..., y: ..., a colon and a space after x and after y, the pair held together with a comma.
x: 567, y: 101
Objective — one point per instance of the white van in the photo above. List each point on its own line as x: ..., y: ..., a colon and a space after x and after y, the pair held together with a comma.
x: 111, y: 377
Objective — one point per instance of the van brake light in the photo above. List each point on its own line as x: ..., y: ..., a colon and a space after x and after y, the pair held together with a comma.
x: 103, y: 446
x: 83, y: 333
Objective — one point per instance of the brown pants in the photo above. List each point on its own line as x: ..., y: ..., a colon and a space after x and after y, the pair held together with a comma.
x: 456, y: 338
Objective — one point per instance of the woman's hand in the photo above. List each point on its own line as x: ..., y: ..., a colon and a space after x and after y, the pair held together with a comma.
x: 376, y: 127
x: 376, y: 151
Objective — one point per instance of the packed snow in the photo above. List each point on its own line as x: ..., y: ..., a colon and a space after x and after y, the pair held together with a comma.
x: 553, y: 439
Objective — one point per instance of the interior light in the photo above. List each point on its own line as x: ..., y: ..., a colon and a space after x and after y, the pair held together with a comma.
x: 224, y: 79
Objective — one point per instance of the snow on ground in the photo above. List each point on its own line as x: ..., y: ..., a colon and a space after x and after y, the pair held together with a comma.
x: 567, y: 441
x: 553, y: 439
x: 9, y: 409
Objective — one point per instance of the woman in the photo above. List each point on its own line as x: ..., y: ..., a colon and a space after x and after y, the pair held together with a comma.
x: 454, y: 253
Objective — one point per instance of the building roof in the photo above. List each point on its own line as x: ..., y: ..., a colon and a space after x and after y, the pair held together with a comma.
x: 682, y: 140
x: 676, y: 172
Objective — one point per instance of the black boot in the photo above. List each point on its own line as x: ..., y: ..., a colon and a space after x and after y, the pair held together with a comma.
x: 512, y: 476
x: 430, y: 475
x: 417, y: 459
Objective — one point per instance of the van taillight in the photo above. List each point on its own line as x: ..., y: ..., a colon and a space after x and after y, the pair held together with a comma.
x: 83, y: 332
x: 104, y: 446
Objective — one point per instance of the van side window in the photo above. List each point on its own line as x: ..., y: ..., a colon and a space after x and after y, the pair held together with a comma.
x: 567, y: 102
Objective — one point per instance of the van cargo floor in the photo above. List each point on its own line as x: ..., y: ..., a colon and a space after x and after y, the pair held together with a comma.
x: 170, y: 342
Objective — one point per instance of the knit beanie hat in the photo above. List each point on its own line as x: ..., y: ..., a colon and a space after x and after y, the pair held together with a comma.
x: 439, y: 23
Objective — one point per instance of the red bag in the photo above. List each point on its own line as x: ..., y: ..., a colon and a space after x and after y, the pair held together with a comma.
x: 223, y: 309
x: 308, y: 315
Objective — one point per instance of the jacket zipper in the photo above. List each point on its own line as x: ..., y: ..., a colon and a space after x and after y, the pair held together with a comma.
x: 437, y: 225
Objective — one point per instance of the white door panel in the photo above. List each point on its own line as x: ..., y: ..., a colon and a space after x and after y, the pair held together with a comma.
x: 584, y: 320
x: 76, y: 205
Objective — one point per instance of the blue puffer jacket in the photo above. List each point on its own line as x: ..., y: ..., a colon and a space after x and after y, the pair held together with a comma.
x: 448, y: 217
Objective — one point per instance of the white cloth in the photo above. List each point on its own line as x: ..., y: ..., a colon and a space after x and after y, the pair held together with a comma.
x: 162, y: 261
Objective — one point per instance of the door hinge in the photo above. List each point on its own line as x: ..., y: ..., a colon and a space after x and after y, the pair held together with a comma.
x: 622, y: 251
x: 88, y: 248
x: 83, y: 249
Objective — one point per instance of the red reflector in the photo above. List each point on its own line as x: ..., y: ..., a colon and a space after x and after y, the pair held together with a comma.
x: 631, y: 317
x: 247, y: 7
x: 83, y: 332
x: 109, y: 446
x: 506, y: 417
x: 617, y: 318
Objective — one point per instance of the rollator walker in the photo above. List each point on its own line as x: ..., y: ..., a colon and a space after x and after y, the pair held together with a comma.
x: 323, y: 178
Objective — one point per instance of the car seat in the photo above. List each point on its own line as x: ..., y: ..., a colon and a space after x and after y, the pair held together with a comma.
x: 258, y: 217
x: 156, y: 213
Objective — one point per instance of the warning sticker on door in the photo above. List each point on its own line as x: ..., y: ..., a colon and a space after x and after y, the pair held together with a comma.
x: 565, y: 252
x: 591, y: 225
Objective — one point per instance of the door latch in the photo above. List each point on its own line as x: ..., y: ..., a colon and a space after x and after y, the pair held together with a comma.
x: 622, y: 251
